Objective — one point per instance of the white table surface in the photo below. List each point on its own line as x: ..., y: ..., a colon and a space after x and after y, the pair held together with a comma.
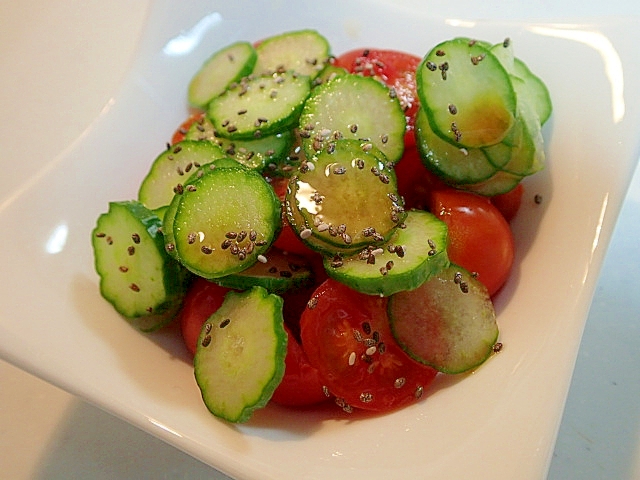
x: 46, y: 433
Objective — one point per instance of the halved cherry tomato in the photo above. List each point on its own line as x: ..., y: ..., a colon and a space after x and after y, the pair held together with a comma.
x: 395, y: 69
x: 509, y: 203
x: 202, y: 299
x: 301, y: 384
x: 181, y: 131
x: 480, y: 238
x: 347, y: 337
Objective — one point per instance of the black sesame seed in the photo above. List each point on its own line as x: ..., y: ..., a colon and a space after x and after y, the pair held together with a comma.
x: 366, y: 328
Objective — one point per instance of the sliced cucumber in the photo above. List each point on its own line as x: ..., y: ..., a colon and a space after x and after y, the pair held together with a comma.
x: 172, y: 167
x: 355, y: 107
x: 448, y: 323
x: 136, y: 275
x: 304, y: 51
x: 535, y: 91
x: 255, y: 153
x: 504, y: 53
x: 221, y: 69
x: 344, y: 199
x: 224, y: 220
x: 239, y: 359
x: 466, y: 93
x: 275, y: 271
x: 259, y: 106
x: 413, y: 254
x: 454, y: 165
x: 501, y: 182
x: 328, y: 73
x: 169, y: 213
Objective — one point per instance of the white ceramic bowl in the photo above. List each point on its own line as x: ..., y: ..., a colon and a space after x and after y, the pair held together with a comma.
x: 499, y: 422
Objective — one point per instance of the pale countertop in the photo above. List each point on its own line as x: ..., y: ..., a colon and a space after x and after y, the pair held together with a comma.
x: 43, y: 429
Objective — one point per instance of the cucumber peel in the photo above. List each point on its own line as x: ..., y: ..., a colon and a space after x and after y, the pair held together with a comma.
x: 136, y: 275
x: 414, y: 254
x: 448, y: 323
x: 240, y: 355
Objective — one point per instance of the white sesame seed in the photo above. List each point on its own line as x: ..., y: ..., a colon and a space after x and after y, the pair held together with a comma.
x: 352, y: 358
x: 323, y: 227
x: 262, y: 259
x: 306, y: 233
x: 377, y: 251
x: 371, y: 350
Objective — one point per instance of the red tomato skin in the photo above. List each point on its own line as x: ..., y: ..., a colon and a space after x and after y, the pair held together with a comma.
x: 509, y: 203
x: 480, y: 239
x: 301, y: 384
x: 202, y: 300
x: 382, y: 380
x: 395, y: 69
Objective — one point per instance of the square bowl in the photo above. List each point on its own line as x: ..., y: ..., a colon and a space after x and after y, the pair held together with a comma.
x: 499, y: 422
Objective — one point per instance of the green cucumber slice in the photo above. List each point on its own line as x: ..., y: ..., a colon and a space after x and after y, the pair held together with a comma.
x: 344, y: 199
x: 259, y: 106
x: 275, y: 271
x: 255, y: 153
x: 448, y: 323
x: 173, y: 167
x: 501, y: 182
x: 454, y: 165
x: 524, y: 155
x: 136, y: 275
x: 169, y: 213
x: 466, y: 93
x: 224, y: 67
x: 304, y: 51
x: 535, y: 91
x: 328, y: 73
x: 414, y: 253
x: 355, y: 107
x: 224, y: 220
x: 239, y: 359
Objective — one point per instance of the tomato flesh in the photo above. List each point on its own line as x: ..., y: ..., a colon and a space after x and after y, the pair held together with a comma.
x: 347, y: 337
x: 480, y: 238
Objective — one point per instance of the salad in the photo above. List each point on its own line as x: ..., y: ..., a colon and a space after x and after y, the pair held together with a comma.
x: 331, y: 227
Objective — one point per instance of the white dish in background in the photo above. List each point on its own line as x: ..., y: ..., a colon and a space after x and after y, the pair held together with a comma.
x: 497, y: 423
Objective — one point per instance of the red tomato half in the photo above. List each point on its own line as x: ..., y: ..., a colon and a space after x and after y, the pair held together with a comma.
x: 347, y: 337
x: 395, y: 69
x: 301, y: 384
x: 480, y: 238
x: 202, y: 299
